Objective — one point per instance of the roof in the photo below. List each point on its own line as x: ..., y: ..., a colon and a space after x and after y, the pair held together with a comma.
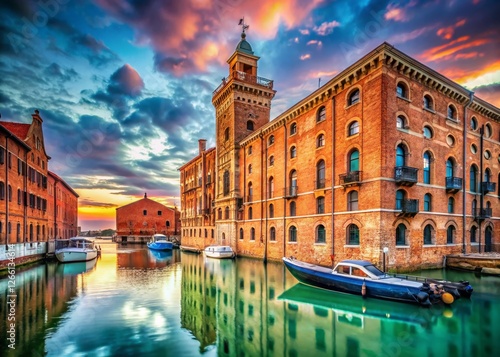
x: 57, y: 178
x: 18, y: 129
x: 356, y: 262
x: 244, y: 46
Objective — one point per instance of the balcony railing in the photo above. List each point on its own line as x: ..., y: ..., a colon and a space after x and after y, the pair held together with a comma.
x: 488, y: 186
x: 453, y: 184
x: 405, y: 175
x: 408, y: 207
x: 292, y: 191
x: 351, y: 178
x: 483, y: 213
x: 247, y: 78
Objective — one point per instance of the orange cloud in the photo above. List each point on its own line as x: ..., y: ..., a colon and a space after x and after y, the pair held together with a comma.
x: 447, y: 50
x: 465, y: 76
x: 447, y: 32
x: 396, y: 13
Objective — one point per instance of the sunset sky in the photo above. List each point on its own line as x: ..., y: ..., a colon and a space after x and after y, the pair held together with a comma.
x: 124, y: 87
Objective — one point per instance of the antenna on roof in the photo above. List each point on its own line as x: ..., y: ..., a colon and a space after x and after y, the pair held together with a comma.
x: 319, y: 82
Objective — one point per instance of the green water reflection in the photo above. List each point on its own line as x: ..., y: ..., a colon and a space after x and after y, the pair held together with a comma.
x: 133, y: 302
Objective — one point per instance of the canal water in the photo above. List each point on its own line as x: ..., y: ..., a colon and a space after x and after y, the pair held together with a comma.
x: 135, y: 302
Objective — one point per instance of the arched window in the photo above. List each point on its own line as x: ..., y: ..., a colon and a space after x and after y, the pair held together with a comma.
x: 320, y: 174
x: 271, y: 160
x: 272, y: 234
x: 226, y: 183
x: 321, y: 114
x: 400, y: 156
x: 31, y: 232
x: 293, y: 183
x: 19, y: 197
x: 450, y: 235
x: 167, y: 223
x: 352, y: 234
x: 352, y: 201
x: 354, y: 161
x: 250, y: 168
x: 427, y: 167
x: 320, y: 234
x: 270, y: 140
x: 427, y: 132
x: 270, y: 187
x: 219, y: 214
x: 320, y: 140
x: 2, y: 191
x: 250, y: 125
x: 226, y: 134
x: 450, y: 167
x: 400, y: 122
x: 474, y: 207
x: 428, y: 234
x: 293, y: 209
x: 252, y: 233
x: 320, y: 205
x: 241, y: 234
x: 400, y: 196
x: 293, y: 128
x: 353, y: 97
x: 250, y: 213
x: 226, y: 212
x: 473, y: 234
x: 353, y: 128
x: 250, y: 150
x: 487, y: 176
x: 250, y: 192
x: 10, y: 193
x: 271, y: 211
x: 292, y: 234
x: 473, y: 178
x: 451, y: 205
x: 293, y: 152
x: 18, y: 232
x: 402, y: 90
x: 401, y: 234
x: 427, y: 202
x: 428, y: 102
x: 452, y: 112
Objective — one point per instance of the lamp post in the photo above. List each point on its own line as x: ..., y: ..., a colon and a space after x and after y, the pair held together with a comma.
x: 385, y: 250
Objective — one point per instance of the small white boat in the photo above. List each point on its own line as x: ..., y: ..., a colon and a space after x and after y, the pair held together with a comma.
x: 80, y: 249
x: 219, y: 252
x: 160, y: 242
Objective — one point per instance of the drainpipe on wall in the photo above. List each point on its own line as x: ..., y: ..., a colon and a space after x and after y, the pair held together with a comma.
x: 464, y: 175
x: 263, y: 199
x: 6, y: 160
x: 332, y: 257
x: 286, y: 187
x: 481, y: 192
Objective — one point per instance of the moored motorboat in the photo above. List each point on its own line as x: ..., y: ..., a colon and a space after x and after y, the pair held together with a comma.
x: 160, y: 242
x: 79, y: 249
x: 219, y: 252
x: 363, y: 278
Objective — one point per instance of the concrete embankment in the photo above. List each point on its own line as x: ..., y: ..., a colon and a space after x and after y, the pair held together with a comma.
x: 485, y: 263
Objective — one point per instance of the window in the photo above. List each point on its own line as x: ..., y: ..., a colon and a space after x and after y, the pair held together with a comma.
x: 241, y: 234
x: 320, y: 140
x: 400, y: 196
x: 226, y: 134
x: 320, y: 174
x: 427, y: 132
x: 250, y: 213
x: 354, y: 161
x: 450, y: 167
x: 271, y: 211
x: 450, y: 235
x: 272, y: 234
x: 321, y: 115
x: 473, y: 123
x: 293, y: 152
x: 352, y: 234
x: 145, y: 212
x: 353, y: 128
x: 250, y: 125
x: 352, y: 201
x: 320, y: 205
x: 353, y: 97
x: 452, y: 112
x: 19, y: 197
x: 292, y: 234
x: 428, y: 102
x: 427, y: 167
x: 473, y: 234
x: 474, y: 206
x: 270, y: 188
x: 10, y: 193
x: 320, y: 234
x: 487, y: 175
x: 487, y: 133
x: 250, y: 168
x: 270, y: 141
x: 293, y: 129
x: 226, y: 183
x: 160, y: 213
x: 293, y: 209
x: 402, y: 90
x: 427, y: 202
x: 293, y: 183
x: 250, y: 192
x: 252, y: 233
x: 250, y: 150
x: 400, y: 156
x: 271, y: 160
x: 401, y: 234
x: 428, y: 234
x: 226, y: 212
x: 401, y: 122
x: 451, y: 205
x: 473, y: 178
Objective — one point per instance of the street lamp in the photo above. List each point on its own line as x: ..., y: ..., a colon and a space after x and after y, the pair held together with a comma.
x: 385, y: 251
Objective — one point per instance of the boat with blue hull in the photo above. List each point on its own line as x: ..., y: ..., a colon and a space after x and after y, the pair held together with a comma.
x: 160, y: 242
x: 361, y: 277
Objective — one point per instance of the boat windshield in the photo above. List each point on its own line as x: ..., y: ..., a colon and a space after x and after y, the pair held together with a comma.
x: 374, y: 270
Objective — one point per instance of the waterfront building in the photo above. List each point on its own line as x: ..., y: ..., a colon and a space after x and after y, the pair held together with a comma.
x: 139, y: 220
x: 389, y: 161
x: 36, y: 205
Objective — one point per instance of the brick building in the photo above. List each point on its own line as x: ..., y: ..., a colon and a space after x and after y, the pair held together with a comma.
x: 388, y: 155
x: 139, y: 220
x: 63, y: 208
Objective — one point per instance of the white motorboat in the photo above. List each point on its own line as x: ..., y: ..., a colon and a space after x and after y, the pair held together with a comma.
x: 80, y: 249
x: 219, y: 252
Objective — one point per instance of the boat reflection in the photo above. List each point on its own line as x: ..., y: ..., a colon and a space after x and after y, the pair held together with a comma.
x: 76, y: 268
x: 354, y: 309
x: 160, y: 255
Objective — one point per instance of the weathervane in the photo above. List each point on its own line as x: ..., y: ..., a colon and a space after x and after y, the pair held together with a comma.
x: 243, y: 25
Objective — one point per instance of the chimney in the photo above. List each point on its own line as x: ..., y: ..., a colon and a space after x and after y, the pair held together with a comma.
x: 36, y: 116
x: 202, y: 145
x: 145, y: 195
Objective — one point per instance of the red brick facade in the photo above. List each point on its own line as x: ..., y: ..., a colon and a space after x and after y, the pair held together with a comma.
x: 146, y: 217
x: 62, y: 206
x: 385, y: 155
x: 26, y: 213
